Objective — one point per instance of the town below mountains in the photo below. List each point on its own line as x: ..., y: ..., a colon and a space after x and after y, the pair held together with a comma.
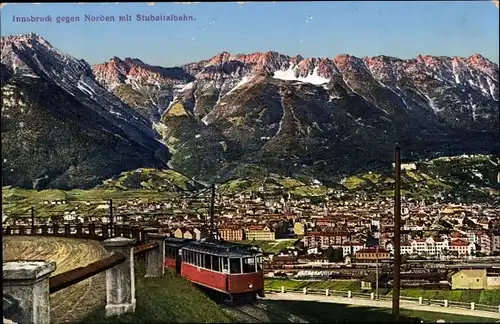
x: 263, y: 122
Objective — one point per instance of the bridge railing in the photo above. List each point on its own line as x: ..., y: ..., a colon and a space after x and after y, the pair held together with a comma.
x: 92, y: 231
x: 419, y: 300
x: 29, y: 282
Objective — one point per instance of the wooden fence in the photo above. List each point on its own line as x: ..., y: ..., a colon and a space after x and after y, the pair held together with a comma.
x: 87, y: 231
x: 29, y: 282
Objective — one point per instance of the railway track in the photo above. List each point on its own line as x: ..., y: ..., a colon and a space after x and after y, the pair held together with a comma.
x: 259, y: 312
x: 242, y: 315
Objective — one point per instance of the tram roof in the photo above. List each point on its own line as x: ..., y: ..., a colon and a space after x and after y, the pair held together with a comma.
x: 221, y: 248
x: 177, y: 242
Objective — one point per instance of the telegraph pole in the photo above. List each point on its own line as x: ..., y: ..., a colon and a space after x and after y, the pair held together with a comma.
x: 498, y: 147
x: 376, y: 274
x: 397, y: 236
x: 212, y: 211
x: 111, y: 218
x: 32, y: 220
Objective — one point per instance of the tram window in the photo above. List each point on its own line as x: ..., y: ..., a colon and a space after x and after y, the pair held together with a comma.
x: 215, y: 263
x: 248, y: 265
x: 224, y: 265
x: 259, y: 263
x: 207, y: 264
x: 234, y: 265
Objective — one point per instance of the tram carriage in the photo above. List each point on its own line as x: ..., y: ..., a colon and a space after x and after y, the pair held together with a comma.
x: 232, y: 270
x: 173, y: 259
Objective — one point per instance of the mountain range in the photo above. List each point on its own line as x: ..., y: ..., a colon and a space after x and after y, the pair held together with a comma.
x: 66, y: 124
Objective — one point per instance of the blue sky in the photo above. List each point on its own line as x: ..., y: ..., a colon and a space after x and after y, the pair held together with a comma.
x: 311, y: 29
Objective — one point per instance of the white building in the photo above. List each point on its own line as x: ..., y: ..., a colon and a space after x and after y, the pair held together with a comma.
x: 428, y: 246
x: 495, y: 243
x: 462, y: 248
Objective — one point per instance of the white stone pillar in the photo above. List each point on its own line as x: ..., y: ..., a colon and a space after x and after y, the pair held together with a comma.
x: 328, y: 292
x: 349, y: 294
x: 305, y: 290
x: 120, y: 280
x: 155, y: 259
x: 28, y: 283
x: 445, y: 303
x: 282, y: 289
x: 420, y: 300
x: 372, y: 296
x: 472, y: 306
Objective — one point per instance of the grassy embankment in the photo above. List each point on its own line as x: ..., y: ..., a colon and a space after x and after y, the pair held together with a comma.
x: 168, y: 299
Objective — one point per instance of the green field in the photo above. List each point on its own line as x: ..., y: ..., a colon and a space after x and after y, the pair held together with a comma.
x: 341, y: 285
x: 18, y: 202
x: 271, y: 246
x: 483, y: 297
x: 152, y: 179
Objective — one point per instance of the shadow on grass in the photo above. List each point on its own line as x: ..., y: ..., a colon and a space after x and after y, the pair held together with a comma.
x: 316, y: 312
x: 168, y: 299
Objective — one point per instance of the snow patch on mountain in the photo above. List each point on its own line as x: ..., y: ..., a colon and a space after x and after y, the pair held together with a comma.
x: 290, y: 75
x: 243, y: 81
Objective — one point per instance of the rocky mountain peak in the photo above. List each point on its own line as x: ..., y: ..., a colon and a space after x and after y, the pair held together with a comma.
x: 28, y: 38
x: 220, y: 58
x: 53, y: 102
x: 132, y: 70
x: 483, y: 64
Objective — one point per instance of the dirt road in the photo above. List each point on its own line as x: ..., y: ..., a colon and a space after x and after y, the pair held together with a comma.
x: 70, y: 304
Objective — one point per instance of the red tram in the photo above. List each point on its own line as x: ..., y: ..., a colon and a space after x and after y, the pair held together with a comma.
x: 173, y: 259
x: 230, y: 269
